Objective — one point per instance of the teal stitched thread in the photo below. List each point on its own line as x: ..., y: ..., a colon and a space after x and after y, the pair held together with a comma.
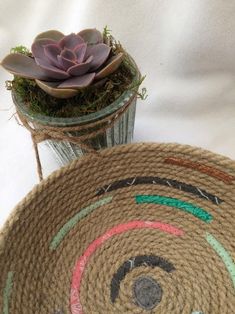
x: 223, y: 254
x: 174, y: 202
x: 7, y: 292
x: 74, y: 220
x: 196, y: 312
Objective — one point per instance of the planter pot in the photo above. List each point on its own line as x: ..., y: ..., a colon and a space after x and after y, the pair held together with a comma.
x: 119, y: 132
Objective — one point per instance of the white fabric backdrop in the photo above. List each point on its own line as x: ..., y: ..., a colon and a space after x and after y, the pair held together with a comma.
x: 185, y: 47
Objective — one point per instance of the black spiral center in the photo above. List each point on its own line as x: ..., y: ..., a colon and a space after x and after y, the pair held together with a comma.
x: 147, y: 292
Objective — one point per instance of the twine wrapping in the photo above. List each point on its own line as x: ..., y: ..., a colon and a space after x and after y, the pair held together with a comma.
x: 41, y: 132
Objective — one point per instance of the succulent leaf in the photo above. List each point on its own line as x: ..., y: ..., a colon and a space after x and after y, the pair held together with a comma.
x: 50, y: 71
x: 78, y: 82
x: 80, y: 69
x: 68, y: 54
x: 70, y: 41
x: 65, y: 63
x: 100, y: 52
x: 112, y: 65
x: 24, y: 66
x: 51, y: 52
x: 80, y: 51
x: 38, y: 47
x: 51, y: 89
x: 91, y: 36
x: 51, y: 34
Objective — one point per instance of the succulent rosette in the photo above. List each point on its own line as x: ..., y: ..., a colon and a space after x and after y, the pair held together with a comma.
x: 61, y: 65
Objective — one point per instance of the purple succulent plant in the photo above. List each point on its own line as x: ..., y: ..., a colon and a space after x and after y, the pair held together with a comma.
x: 61, y: 65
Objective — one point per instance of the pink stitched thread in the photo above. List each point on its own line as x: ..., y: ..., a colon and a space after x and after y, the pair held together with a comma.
x: 76, y: 307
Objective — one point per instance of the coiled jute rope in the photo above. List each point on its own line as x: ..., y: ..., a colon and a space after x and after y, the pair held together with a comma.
x: 140, y: 228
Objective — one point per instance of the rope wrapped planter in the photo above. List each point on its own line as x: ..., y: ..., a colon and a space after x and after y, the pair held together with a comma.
x: 141, y: 228
x: 79, y: 139
x: 40, y: 132
x: 72, y: 137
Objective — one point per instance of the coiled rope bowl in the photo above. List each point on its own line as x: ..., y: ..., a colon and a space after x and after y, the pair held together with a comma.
x: 142, y: 228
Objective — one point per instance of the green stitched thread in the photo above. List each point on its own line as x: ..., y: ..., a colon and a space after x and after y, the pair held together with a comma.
x: 196, y: 312
x: 7, y: 292
x: 74, y: 220
x: 224, y: 255
x: 174, y: 202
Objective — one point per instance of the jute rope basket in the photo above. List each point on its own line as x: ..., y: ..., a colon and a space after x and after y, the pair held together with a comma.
x: 142, y: 228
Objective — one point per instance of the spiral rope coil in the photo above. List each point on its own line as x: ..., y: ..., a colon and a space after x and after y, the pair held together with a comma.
x: 141, y: 228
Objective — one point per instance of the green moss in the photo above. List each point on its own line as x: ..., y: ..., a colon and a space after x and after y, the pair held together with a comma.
x: 107, y: 32
x: 87, y: 101
x: 21, y: 49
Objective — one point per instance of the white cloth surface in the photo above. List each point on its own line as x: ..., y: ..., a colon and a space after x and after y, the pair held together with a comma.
x: 185, y: 47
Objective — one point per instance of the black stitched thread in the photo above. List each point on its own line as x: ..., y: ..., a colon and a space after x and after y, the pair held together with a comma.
x: 161, y: 181
x: 137, y: 261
